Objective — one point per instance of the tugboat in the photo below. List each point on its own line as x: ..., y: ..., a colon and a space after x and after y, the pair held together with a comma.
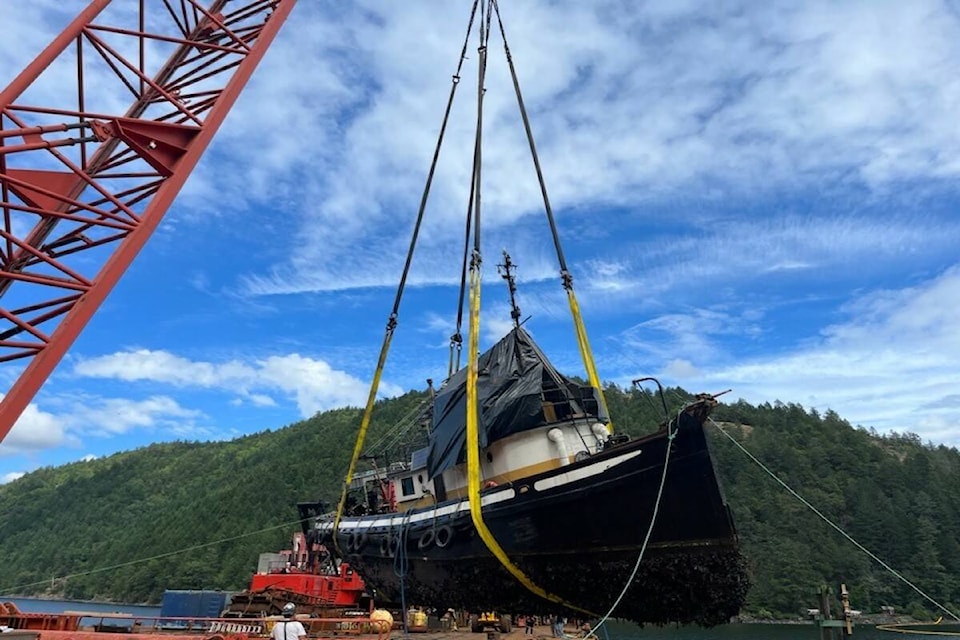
x: 568, y: 503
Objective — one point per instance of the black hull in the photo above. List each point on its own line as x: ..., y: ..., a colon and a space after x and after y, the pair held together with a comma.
x: 576, y: 532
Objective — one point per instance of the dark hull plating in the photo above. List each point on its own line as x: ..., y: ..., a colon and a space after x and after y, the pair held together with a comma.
x: 577, y: 532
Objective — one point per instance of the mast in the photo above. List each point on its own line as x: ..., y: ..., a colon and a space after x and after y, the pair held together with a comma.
x: 506, y: 272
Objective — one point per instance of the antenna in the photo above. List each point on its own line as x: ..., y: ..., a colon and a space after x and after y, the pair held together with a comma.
x: 506, y: 272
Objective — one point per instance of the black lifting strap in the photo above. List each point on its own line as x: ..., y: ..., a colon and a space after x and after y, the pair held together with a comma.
x: 433, y: 164
x: 533, y: 149
x: 566, y: 279
x: 472, y: 224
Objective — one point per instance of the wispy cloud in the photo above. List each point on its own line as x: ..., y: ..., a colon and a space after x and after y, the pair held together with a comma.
x: 70, y: 419
x: 889, y: 364
x: 105, y: 417
x: 721, y: 101
x: 732, y: 181
x: 824, y: 254
x: 311, y: 383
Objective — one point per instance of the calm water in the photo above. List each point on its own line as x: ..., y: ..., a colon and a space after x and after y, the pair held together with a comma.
x: 616, y: 630
x: 620, y: 631
x: 36, y: 605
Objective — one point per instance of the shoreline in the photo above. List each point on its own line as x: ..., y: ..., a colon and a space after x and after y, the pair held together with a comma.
x: 543, y: 632
x: 47, y: 598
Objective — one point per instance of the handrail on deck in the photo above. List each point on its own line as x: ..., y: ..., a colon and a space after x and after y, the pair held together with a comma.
x: 95, y: 624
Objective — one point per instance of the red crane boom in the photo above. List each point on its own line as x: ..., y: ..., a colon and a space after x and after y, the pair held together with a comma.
x: 91, y: 160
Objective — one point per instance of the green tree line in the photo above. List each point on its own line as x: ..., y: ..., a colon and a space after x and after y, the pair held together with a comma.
x: 196, y: 515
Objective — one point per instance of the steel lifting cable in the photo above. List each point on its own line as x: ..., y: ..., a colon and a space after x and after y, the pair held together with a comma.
x: 473, y: 349
x: 392, y: 320
x: 835, y: 526
x: 671, y: 435
x: 910, y: 628
x: 393, y: 435
x: 473, y: 199
x: 129, y: 563
x: 582, y: 342
x: 456, y: 340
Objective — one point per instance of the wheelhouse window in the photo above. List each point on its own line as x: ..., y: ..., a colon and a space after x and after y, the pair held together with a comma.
x: 406, y: 486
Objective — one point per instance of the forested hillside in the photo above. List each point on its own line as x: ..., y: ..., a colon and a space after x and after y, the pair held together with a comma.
x: 196, y: 515
x: 166, y: 503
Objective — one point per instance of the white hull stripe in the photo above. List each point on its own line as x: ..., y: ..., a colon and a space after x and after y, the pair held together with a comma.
x: 580, y: 474
x: 400, y: 519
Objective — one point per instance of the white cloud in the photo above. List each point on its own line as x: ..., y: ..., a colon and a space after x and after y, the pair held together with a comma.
x: 261, y: 400
x: 11, y: 476
x: 313, y: 384
x: 70, y: 419
x: 111, y: 416
x: 679, y: 368
x: 161, y: 366
x: 635, y: 105
x: 891, y: 365
x: 36, y: 430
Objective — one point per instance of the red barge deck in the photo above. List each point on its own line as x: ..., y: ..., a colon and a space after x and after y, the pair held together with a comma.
x: 80, y: 625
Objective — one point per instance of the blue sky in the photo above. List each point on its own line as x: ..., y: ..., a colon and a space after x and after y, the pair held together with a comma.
x: 751, y: 197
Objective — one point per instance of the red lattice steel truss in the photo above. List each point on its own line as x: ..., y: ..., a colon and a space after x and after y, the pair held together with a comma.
x: 97, y: 136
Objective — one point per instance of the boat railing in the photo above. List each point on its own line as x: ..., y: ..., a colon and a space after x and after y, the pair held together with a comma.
x: 563, y: 404
x: 309, y: 599
x: 174, y: 627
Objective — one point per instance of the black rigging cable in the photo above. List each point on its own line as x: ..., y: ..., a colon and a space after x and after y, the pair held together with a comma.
x: 565, y: 274
x: 392, y: 319
x: 472, y: 260
x: 566, y: 278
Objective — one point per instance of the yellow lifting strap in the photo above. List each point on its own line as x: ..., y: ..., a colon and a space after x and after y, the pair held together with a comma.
x: 473, y: 453
x: 586, y: 353
x: 362, y: 436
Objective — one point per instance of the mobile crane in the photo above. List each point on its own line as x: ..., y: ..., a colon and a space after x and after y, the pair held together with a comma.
x: 85, y: 182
